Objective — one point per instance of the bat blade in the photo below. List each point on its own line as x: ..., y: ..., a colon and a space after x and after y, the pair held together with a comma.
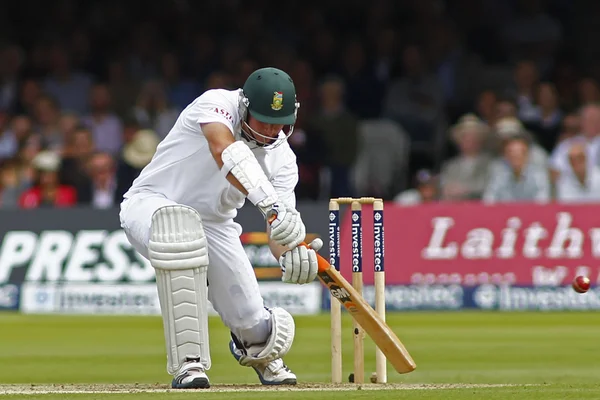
x: 367, y: 318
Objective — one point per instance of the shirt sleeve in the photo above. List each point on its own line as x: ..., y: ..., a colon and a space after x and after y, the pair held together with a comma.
x: 285, y: 180
x: 564, y: 190
x: 556, y: 160
x: 213, y: 106
x: 490, y: 194
x: 543, y: 187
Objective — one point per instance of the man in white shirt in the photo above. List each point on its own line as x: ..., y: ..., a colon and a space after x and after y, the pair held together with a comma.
x: 226, y: 146
x: 583, y: 185
x: 590, y: 131
x: 516, y: 178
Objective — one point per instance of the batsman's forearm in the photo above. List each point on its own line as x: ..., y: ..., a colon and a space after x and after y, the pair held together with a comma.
x: 276, y: 249
x: 233, y: 180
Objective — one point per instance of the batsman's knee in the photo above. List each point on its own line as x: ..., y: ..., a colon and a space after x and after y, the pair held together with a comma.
x: 278, y: 342
x: 177, y: 239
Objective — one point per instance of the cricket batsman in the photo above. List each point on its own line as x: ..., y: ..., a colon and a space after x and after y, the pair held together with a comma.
x: 226, y: 146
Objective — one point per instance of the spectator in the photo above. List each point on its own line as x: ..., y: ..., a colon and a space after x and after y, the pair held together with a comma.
x: 532, y: 32
x: 47, y: 123
x: 546, y: 123
x: 101, y: 192
x: 589, y: 135
x: 588, y: 91
x: 465, y: 176
x: 48, y: 191
x: 78, y: 149
x: 416, y: 100
x: 487, y: 102
x: 583, y: 185
x: 454, y: 65
x: 505, y: 107
x: 12, y: 137
x: 123, y: 89
x: 565, y: 80
x: 104, y: 124
x: 337, y: 128
x: 135, y: 156
x: 29, y: 92
x: 244, y: 68
x: 28, y: 150
x: 11, y: 184
x: 153, y: 110
x: 384, y: 60
x: 570, y: 127
x: 8, y: 139
x: 309, y: 159
x: 364, y: 92
x: 509, y: 127
x: 517, y: 179
x: 303, y: 77
x: 70, y: 88
x: 21, y: 127
x: 69, y: 123
x: 217, y: 80
x: 526, y: 80
x: 425, y: 191
x: 11, y: 62
x: 181, y: 91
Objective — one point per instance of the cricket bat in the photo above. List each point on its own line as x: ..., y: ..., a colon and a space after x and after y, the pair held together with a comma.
x: 385, y: 339
x: 367, y: 318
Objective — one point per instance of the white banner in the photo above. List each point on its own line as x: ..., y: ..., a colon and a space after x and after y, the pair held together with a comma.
x: 142, y: 299
x: 84, y: 298
x: 296, y: 299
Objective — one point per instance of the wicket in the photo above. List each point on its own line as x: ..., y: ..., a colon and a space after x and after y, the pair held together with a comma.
x: 357, y: 283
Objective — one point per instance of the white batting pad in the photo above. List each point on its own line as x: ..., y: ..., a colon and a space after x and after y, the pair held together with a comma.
x: 179, y: 253
x: 279, y: 343
x: 241, y: 162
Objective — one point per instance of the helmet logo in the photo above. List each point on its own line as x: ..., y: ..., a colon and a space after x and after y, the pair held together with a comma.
x: 277, y: 101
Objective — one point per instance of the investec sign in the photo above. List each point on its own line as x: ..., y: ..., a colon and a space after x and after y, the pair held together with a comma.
x: 59, y: 255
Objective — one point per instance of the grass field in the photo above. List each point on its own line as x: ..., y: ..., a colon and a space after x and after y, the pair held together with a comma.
x: 459, y: 356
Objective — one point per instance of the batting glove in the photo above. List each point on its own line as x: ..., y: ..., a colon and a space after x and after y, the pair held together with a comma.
x: 287, y: 228
x: 299, y: 265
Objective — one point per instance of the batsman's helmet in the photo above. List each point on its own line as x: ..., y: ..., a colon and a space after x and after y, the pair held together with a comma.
x: 270, y: 96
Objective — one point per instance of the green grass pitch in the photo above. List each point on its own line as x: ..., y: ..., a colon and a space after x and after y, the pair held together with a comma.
x: 459, y: 355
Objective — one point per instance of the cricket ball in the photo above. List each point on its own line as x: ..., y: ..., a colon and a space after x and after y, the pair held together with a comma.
x: 581, y: 284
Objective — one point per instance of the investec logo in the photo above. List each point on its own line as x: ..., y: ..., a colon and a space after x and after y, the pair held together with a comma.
x: 378, y: 240
x: 334, y: 239
x: 356, y: 242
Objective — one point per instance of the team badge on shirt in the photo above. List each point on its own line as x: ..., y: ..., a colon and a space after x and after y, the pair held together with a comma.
x: 277, y: 101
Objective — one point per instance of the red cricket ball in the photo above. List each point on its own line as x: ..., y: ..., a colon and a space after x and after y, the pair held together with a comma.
x: 581, y: 284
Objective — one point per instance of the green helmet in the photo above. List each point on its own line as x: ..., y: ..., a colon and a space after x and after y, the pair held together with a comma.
x: 271, y: 96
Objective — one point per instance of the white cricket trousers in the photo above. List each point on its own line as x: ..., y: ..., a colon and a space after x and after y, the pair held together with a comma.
x: 232, y: 285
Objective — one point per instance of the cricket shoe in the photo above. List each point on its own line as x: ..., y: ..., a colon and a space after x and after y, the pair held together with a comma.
x: 272, y: 373
x: 191, y: 375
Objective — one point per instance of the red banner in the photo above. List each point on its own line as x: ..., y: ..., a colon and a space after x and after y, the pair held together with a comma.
x: 472, y: 244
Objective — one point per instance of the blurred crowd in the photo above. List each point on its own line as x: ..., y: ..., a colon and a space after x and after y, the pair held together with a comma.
x: 410, y: 100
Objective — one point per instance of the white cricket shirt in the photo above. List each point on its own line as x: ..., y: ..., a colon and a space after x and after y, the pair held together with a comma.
x: 184, y: 170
